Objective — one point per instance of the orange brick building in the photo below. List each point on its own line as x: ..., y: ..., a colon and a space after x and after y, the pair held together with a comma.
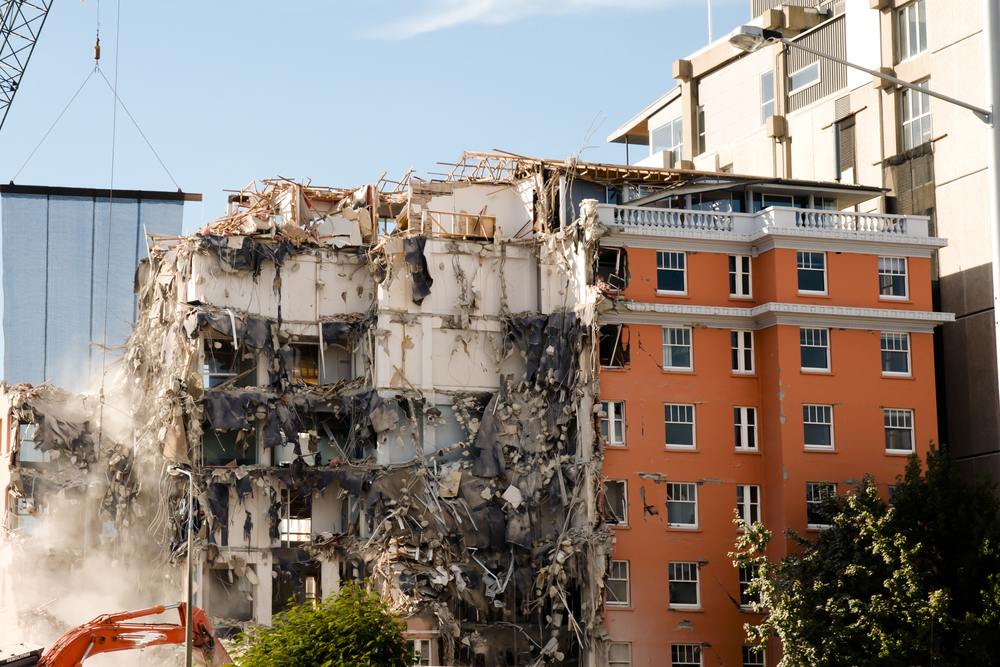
x: 764, y: 348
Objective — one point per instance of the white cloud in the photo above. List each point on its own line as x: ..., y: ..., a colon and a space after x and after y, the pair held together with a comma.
x: 443, y: 14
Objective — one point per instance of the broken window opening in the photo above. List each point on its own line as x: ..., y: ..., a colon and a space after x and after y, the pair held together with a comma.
x: 611, y: 267
x: 296, y: 518
x: 306, y: 365
x: 227, y: 448
x: 420, y: 649
x: 29, y: 452
x: 223, y: 363
x: 352, y: 519
x: 614, y: 346
x: 230, y: 596
x: 28, y: 515
x: 290, y: 581
x: 615, y: 502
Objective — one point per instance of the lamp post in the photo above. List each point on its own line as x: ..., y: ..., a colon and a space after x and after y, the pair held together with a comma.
x: 177, y: 471
x: 750, y: 38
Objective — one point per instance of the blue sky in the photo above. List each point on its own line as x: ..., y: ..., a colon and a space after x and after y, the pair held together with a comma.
x: 228, y: 92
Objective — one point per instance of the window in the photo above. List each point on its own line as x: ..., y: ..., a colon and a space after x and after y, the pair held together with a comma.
x: 815, y: 493
x: 685, y: 655
x: 227, y: 448
x: 420, y: 649
x: 677, y: 348
x: 613, y: 348
x: 912, y: 26
x: 701, y: 129
x: 895, y: 353
x: 814, y: 345
x: 817, y: 423
x: 898, y: 430
x: 916, y: 113
x: 745, y: 424
x: 229, y: 595
x: 615, y: 502
x: 679, y: 425
x: 748, y: 502
x: 766, y: 95
x: 613, y: 423
x: 683, y: 585
x: 620, y: 654
x: 617, y: 584
x: 29, y: 451
x: 752, y: 658
x: 747, y: 575
x: 612, y: 267
x: 224, y: 364
x: 667, y: 137
x: 892, y: 277
x: 671, y: 275
x: 742, y: 349
x: 296, y: 518
x: 740, y: 285
x: 682, y: 505
x: 812, y: 272
x: 804, y: 78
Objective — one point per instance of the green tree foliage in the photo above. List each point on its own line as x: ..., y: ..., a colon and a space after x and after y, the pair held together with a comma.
x: 351, y: 629
x: 917, y: 584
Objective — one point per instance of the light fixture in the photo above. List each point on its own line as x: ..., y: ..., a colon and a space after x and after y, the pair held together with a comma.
x: 749, y: 38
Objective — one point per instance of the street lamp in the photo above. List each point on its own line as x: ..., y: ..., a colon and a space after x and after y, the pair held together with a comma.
x: 176, y: 471
x: 750, y: 38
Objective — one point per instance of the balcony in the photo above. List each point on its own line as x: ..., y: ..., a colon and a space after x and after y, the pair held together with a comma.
x: 771, y: 220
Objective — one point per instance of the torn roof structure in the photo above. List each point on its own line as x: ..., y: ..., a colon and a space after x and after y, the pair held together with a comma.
x: 396, y: 382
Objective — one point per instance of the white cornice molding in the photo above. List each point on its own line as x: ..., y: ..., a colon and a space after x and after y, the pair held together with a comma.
x: 773, y: 314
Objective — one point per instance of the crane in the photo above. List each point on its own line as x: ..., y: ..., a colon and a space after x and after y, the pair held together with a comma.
x: 20, y: 26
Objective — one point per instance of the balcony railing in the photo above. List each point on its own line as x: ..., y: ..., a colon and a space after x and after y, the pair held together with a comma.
x: 770, y: 218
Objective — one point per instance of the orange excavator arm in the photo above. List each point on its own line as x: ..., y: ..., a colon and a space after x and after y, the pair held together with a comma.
x: 112, y: 632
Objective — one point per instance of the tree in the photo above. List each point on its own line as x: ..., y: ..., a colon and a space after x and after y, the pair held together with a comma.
x: 351, y: 629
x: 914, y: 584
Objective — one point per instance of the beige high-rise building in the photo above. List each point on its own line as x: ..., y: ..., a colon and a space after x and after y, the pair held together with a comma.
x: 782, y: 112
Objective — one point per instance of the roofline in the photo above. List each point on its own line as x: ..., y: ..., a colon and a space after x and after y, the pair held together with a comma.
x: 95, y: 193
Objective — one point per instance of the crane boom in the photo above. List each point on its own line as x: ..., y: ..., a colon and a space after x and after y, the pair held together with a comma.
x: 20, y: 26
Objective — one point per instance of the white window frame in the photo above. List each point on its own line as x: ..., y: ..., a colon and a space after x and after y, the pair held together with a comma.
x: 740, y: 348
x: 620, y: 663
x: 768, y: 99
x: 614, y: 413
x: 692, y: 492
x: 736, y: 275
x: 419, y: 657
x: 807, y: 84
x: 899, y: 419
x: 908, y: 119
x: 814, y: 494
x: 889, y: 266
x: 667, y: 260
x: 812, y: 414
x: 816, y: 338
x: 748, y: 505
x: 800, y: 256
x: 624, y: 508
x: 676, y: 147
x: 746, y: 576
x: 686, y: 341
x: 684, y: 568
x: 691, y: 649
x: 676, y: 416
x: 621, y: 564
x: 913, y: 11
x: 752, y: 658
x: 743, y: 430
x: 888, y: 342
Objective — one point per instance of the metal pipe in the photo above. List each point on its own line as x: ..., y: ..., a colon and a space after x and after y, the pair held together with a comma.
x: 991, y: 52
x: 188, y: 639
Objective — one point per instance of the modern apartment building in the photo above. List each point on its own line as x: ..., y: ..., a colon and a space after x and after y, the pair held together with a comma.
x: 761, y: 348
x: 781, y: 112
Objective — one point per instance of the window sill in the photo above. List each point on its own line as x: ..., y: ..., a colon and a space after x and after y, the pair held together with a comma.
x: 895, y: 299
x: 613, y: 607
x: 681, y: 608
x: 814, y: 371
x: 618, y: 527
x: 755, y: 451
x: 673, y: 295
x: 692, y: 529
x: 898, y: 452
x: 819, y: 450
x: 616, y: 448
x: 618, y: 369
x: 816, y: 528
x: 683, y: 371
x: 741, y: 299
x: 893, y: 376
x: 815, y: 295
x: 679, y: 448
x: 743, y: 375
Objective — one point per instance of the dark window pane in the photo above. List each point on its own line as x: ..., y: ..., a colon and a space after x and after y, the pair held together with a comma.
x: 811, y: 280
x: 894, y: 362
x: 670, y: 280
x: 680, y: 434
x: 683, y: 592
x: 898, y: 438
x: 680, y: 356
x: 814, y: 357
x: 680, y: 512
x: 817, y: 435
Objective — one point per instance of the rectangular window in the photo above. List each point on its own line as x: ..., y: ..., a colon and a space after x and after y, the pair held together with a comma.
x: 616, y: 502
x: 612, y: 268
x: 805, y: 77
x: 741, y: 343
x: 613, y: 423
x: 912, y: 29
x: 895, y: 353
x: 296, y: 518
x: 815, y: 492
x: 679, y: 425
x: 701, y: 129
x: 29, y: 452
x: 892, y: 277
x: 748, y: 502
x: 745, y: 424
x: 667, y: 137
x: 740, y: 285
x: 420, y: 649
x: 746, y: 577
x: 752, y: 658
x: 677, y: 348
x: 898, y: 430
x: 814, y: 345
x: 817, y: 422
x: 766, y: 95
x: 812, y: 272
x: 683, y: 585
x: 671, y: 272
x: 617, y: 584
x: 620, y: 654
x: 223, y: 364
x: 682, y: 505
x: 613, y: 346
x: 916, y: 114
